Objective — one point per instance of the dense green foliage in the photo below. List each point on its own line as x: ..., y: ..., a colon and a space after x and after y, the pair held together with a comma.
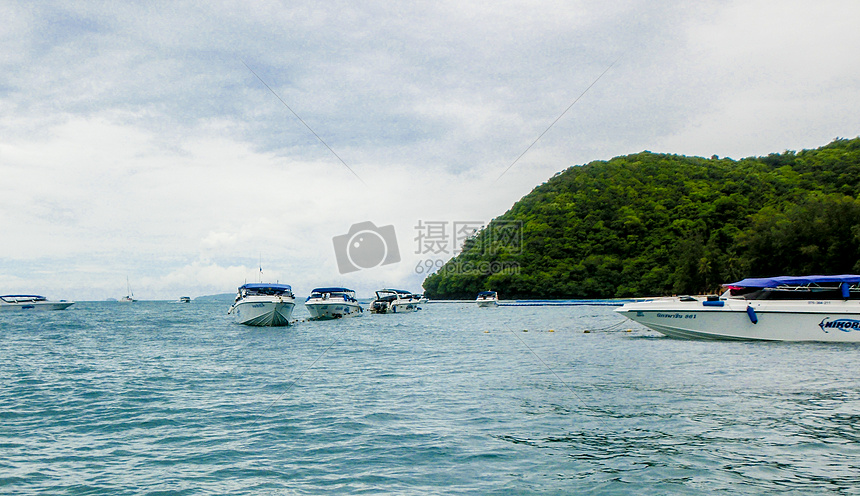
x: 652, y: 224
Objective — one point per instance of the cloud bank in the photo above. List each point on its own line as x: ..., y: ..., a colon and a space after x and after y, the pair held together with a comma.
x: 136, y: 143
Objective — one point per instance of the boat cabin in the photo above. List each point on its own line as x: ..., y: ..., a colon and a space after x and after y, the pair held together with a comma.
x: 841, y: 287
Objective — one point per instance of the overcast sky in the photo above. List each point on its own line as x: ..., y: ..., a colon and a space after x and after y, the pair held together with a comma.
x: 153, y: 141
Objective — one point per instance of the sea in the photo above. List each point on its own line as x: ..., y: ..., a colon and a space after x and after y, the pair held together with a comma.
x: 164, y: 398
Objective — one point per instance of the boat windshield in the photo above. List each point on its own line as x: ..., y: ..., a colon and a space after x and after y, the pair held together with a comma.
x: 344, y: 294
x: 393, y: 294
x: 22, y: 298
x: 266, y: 290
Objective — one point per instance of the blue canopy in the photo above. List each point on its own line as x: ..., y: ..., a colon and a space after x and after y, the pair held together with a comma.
x: 332, y: 290
x: 256, y: 285
x: 773, y: 282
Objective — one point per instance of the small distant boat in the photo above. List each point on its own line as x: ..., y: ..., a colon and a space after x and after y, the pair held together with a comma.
x: 261, y: 304
x: 128, y: 298
x: 332, y: 303
x: 810, y: 308
x: 184, y: 299
x: 395, y: 301
x: 487, y: 299
x: 31, y: 302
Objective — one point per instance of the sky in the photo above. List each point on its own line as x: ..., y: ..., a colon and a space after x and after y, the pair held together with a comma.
x: 184, y: 148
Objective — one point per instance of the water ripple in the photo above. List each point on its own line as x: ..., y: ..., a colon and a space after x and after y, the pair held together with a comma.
x: 176, y: 399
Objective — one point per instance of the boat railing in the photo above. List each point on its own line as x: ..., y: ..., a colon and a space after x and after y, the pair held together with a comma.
x: 800, y: 292
x: 256, y: 292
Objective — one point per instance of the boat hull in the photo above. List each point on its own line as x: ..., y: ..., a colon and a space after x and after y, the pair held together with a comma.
x: 395, y: 307
x: 263, y: 312
x: 737, y: 319
x: 39, y: 306
x: 487, y: 303
x: 328, y: 310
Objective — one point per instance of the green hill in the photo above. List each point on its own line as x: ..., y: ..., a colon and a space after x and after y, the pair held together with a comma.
x: 656, y: 224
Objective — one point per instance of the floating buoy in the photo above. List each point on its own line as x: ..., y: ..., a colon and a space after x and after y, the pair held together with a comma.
x: 753, y: 317
x: 486, y: 332
x: 586, y: 331
x: 551, y: 330
x: 629, y: 330
x: 525, y: 330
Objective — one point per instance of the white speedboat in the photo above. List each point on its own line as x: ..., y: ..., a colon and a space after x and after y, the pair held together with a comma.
x: 487, y: 299
x: 332, y: 303
x: 31, y: 302
x: 184, y: 299
x: 260, y: 304
x: 812, y: 308
x: 395, y: 301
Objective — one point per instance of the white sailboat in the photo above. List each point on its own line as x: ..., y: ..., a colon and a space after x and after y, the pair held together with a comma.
x: 129, y: 297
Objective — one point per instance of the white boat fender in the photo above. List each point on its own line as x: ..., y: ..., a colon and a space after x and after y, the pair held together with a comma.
x: 751, y: 313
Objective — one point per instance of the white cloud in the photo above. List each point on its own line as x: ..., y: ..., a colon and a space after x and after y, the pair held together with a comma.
x: 772, y: 77
x: 136, y: 143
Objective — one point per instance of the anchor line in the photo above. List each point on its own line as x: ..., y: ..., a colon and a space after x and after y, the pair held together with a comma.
x: 297, y: 379
x: 566, y: 385
x: 557, y: 119
x: 305, y: 123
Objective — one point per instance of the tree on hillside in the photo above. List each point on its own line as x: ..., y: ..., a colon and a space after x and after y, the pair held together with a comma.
x: 650, y: 224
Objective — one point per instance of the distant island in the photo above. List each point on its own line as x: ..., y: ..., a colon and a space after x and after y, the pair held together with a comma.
x: 656, y: 224
x: 217, y: 297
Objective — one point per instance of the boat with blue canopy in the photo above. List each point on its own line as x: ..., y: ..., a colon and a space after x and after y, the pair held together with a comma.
x: 487, y: 299
x: 31, y: 302
x: 263, y: 304
x: 783, y: 308
x: 332, y: 303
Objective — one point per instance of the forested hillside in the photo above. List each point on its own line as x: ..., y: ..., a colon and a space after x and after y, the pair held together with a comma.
x: 656, y: 224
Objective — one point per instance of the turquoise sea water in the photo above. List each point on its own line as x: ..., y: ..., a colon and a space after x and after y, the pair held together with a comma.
x: 166, y: 398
